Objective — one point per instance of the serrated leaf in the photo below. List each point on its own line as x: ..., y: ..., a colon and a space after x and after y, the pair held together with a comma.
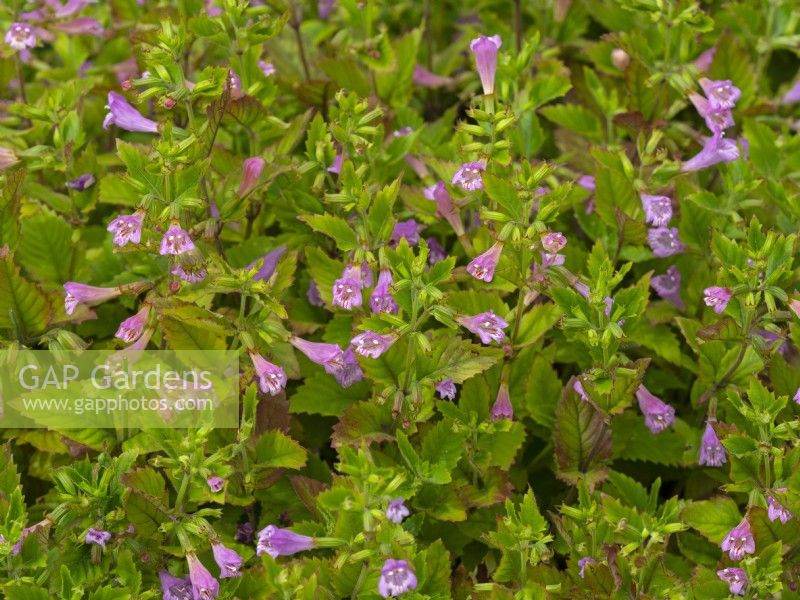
x: 45, y: 249
x: 20, y: 299
x: 713, y: 518
x: 275, y: 449
x: 576, y: 118
x: 321, y: 394
x: 334, y: 227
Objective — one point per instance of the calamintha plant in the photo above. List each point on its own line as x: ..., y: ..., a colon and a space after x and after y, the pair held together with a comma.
x: 511, y: 284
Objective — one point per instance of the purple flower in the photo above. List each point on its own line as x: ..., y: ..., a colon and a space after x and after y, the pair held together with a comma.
x: 127, y: 228
x: 174, y: 588
x: 704, y: 59
x: 7, y: 158
x: 176, y: 241
x: 336, y: 165
x: 397, y: 511
x: 486, y: 325
x: 445, y: 206
x: 347, y: 289
x: 245, y: 533
x: 81, y: 183
x: 716, y: 149
x: 485, y: 51
x: 234, y: 85
x: 436, y: 251
x: 268, y: 265
x: 267, y: 68
x: 97, y: 536
x: 668, y: 286
x: 717, y: 298
x: 424, y: 78
x: 554, y: 241
x: 776, y: 510
x: 191, y: 271
x: 396, y: 578
x: 325, y: 7
x: 712, y: 454
x: 406, y: 229
x: 215, y: 484
x: 372, y: 344
x: 482, y: 266
x: 131, y: 328
x: 793, y: 95
x: 381, y: 300
x: 579, y: 389
x: 446, y: 389
x: 204, y: 586
x: 350, y: 371
x: 717, y: 119
x: 124, y: 116
x: 502, y: 409
x: 736, y: 579
x: 281, y: 542
x: 271, y: 377
x: 20, y: 36
x: 229, y: 561
x: 657, y: 209
x: 721, y: 94
x: 314, y: 299
x: 664, y: 241
x: 796, y: 396
x: 79, y: 293
x: 469, y: 176
x: 80, y: 26
x: 552, y: 260
x: 739, y: 541
x: 330, y: 356
x: 586, y: 560
x: 251, y: 171
x: 658, y: 415
x: 587, y: 182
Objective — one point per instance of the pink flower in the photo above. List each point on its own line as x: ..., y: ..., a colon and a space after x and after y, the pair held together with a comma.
x: 124, y: 116
x: 658, y: 415
x: 668, y: 286
x: 712, y: 454
x: 406, y: 229
x: 215, y: 484
x: 7, y: 158
x: 445, y: 206
x: 717, y: 298
x: 174, y: 588
x: 271, y: 377
x: 371, y: 344
x: 79, y: 293
x: 777, y: 511
x: 381, y: 300
x: 554, y: 241
x: 657, y: 209
x: 482, y: 266
x: 270, y: 262
x: 704, y: 59
x: 267, y: 68
x: 20, y: 36
x: 736, y: 579
x: 192, y: 271
x: 336, y: 165
x: 469, y: 176
x: 424, y: 78
x: 176, y: 241
x: 325, y: 7
x: 739, y: 541
x: 330, y: 356
x: 347, y: 289
x: 234, y: 85
x: 251, y: 171
x: 127, y: 228
x: 228, y: 561
x: 485, y: 51
x: 487, y: 326
x: 81, y: 26
x: 717, y: 119
x: 436, y: 251
x: 502, y: 408
x: 793, y: 95
x: 131, y: 328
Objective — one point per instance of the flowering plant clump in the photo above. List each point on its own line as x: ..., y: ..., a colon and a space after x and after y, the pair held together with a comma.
x: 512, y: 287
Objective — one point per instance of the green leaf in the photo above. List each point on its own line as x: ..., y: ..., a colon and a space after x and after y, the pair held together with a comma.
x: 45, y: 250
x: 22, y: 304
x: 713, y: 518
x: 137, y: 162
x: 334, y: 227
x: 582, y: 440
x: 26, y: 591
x: 502, y: 191
x: 320, y: 394
x: 275, y: 449
x: 536, y: 322
x: 548, y: 87
x: 575, y: 118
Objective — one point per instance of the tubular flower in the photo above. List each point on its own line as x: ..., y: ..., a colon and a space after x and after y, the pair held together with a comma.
x: 271, y: 377
x: 712, y: 454
x: 469, y: 176
x: 79, y: 293
x: 658, y: 415
x: 502, y: 408
x: 485, y: 51
x: 397, y: 511
x: 717, y: 298
x: 124, y: 116
x: 371, y: 344
x: 739, y: 541
x: 347, y: 289
x: 131, y: 328
x: 127, y: 228
x: 487, y: 326
x: 657, y: 209
x: 482, y: 266
x: 281, y: 542
x: 176, y: 241
x: 396, y: 578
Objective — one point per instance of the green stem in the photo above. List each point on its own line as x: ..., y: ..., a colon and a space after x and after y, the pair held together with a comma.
x: 21, y: 79
x: 182, y: 491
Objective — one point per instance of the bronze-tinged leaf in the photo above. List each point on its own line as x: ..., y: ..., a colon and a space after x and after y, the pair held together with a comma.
x: 307, y: 490
x: 364, y: 422
x: 582, y: 440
